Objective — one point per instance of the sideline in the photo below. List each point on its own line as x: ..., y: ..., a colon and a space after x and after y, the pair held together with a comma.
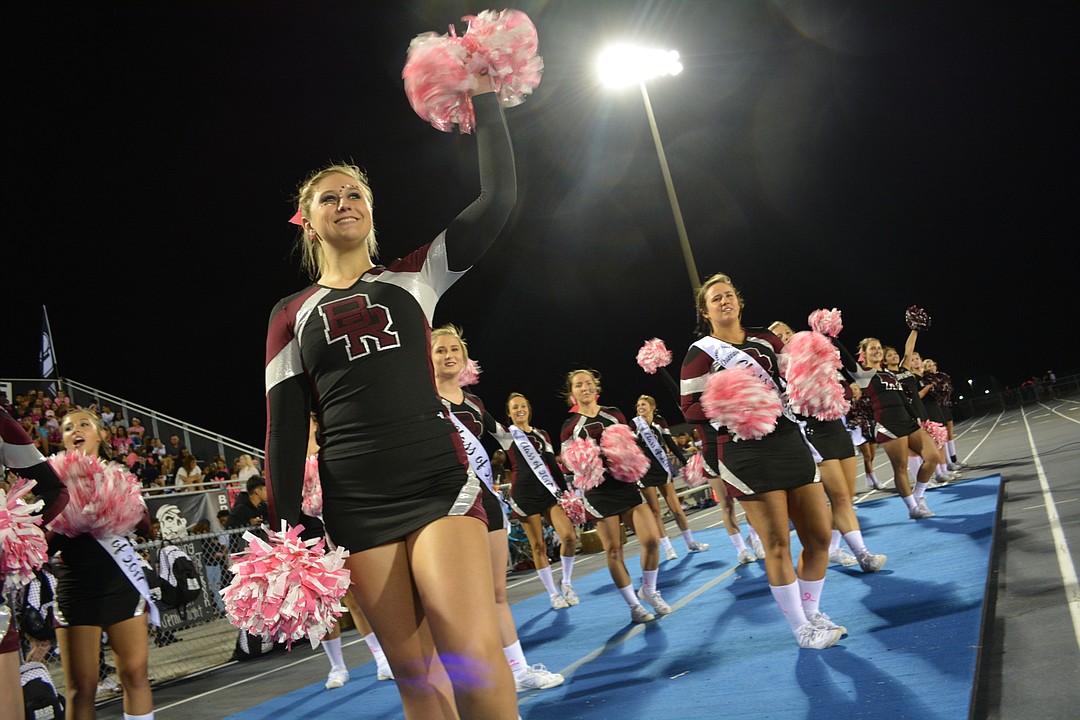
x: 1061, y: 546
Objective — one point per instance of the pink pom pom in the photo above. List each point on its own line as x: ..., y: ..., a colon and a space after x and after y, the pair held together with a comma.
x: 582, y: 458
x: 653, y: 355
x: 311, y: 503
x: 917, y: 318
x: 814, y: 388
x: 470, y: 374
x: 439, y: 69
x: 938, y: 432
x: 624, y: 457
x: 826, y: 322
x: 22, y: 543
x: 507, y: 42
x: 104, y: 498
x: 737, y: 399
x: 574, y: 507
x: 693, y: 473
x: 286, y: 588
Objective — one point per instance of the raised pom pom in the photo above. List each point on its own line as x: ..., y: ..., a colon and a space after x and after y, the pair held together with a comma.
x: 937, y: 432
x: 508, y: 43
x: 104, y: 498
x: 917, y: 319
x: 22, y: 544
x: 826, y: 322
x: 737, y: 399
x: 286, y: 588
x: 693, y: 473
x: 624, y: 457
x: 470, y: 374
x: 943, y: 389
x: 439, y: 69
x: 311, y: 503
x: 653, y: 355
x: 862, y: 415
x: 582, y: 458
x: 813, y: 386
x: 574, y: 507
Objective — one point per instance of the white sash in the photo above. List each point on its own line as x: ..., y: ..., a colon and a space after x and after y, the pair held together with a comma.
x: 533, y: 460
x: 125, y: 557
x: 727, y: 355
x: 646, y: 433
x: 478, y: 457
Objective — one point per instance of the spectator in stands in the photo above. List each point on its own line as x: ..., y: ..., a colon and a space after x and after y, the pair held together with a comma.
x: 135, y: 432
x: 121, y: 442
x: 155, y: 446
x: 174, y: 447
x: 246, y: 468
x: 107, y: 415
x: 249, y: 508
x: 217, y: 472
x: 189, y: 472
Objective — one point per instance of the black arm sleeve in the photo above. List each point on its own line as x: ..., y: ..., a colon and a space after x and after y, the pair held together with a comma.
x: 849, y: 366
x: 471, y: 233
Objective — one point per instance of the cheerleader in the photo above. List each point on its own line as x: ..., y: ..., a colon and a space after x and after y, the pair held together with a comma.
x: 769, y: 468
x: 613, y: 501
x: 398, y: 492
x: 837, y: 467
x: 95, y: 593
x: 536, y: 487
x: 896, y: 430
x: 942, y: 395
x: 914, y: 392
x: 449, y: 356
x: 18, y: 453
x: 653, y: 435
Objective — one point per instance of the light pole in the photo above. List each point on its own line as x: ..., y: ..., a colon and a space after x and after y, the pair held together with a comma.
x: 623, y: 65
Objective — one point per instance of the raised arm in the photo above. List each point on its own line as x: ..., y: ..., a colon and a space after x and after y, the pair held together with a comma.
x: 472, y: 232
x: 909, y: 348
x: 17, y: 451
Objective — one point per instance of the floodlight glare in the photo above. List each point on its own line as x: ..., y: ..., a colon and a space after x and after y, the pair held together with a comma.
x: 623, y: 65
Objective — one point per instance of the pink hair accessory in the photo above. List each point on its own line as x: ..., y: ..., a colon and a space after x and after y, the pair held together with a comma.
x: 826, y: 322
x: 439, y: 69
x: 814, y: 388
x: 737, y: 399
x: 653, y: 355
x: 470, y: 374
x: 624, y: 457
x: 298, y: 217
x: 287, y: 588
x: 23, y: 548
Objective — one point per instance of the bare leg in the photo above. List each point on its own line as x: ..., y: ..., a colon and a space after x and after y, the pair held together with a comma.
x: 10, y: 686
x: 610, y: 533
x: 131, y: 648
x: 79, y: 647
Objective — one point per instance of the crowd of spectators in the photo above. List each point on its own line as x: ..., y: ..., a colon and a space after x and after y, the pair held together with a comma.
x: 166, y: 465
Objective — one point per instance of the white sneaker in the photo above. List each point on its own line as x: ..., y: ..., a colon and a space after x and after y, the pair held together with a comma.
x: 569, y: 595
x: 671, y: 554
x: 821, y: 620
x: 658, y: 605
x: 383, y: 672
x: 537, y: 677
x: 746, y: 555
x: 920, y: 510
x: 842, y: 557
x: 871, y: 562
x: 337, y: 678
x: 696, y: 547
x: 755, y: 543
x: 956, y: 465
x: 107, y: 686
x: 558, y: 602
x: 638, y: 614
x: 812, y: 637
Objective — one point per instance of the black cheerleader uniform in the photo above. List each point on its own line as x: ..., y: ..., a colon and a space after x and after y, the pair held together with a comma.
x: 656, y: 475
x: 611, y: 497
x: 390, y: 461
x: 780, y: 460
x: 480, y: 423
x: 892, y: 414
x: 528, y: 494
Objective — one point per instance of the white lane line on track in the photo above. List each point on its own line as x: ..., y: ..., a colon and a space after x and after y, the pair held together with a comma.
x: 1061, y: 546
x: 1054, y: 410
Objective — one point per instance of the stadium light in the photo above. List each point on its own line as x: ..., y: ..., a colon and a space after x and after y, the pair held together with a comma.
x: 624, y: 65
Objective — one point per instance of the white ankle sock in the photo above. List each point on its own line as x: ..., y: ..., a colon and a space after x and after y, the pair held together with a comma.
x: 737, y: 541
x: 810, y: 595
x: 566, y: 563
x: 549, y: 582
x: 629, y: 596
x: 753, y: 534
x: 919, y: 490
x: 147, y: 716
x: 332, y: 648
x: 834, y: 543
x: 913, y: 465
x: 665, y: 543
x: 648, y: 579
x: 688, y: 537
x: 855, y: 541
x: 516, y: 657
x: 910, y: 502
x: 375, y: 648
x: 787, y: 598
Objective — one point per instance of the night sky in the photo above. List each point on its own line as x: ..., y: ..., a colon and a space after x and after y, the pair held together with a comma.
x: 860, y: 155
